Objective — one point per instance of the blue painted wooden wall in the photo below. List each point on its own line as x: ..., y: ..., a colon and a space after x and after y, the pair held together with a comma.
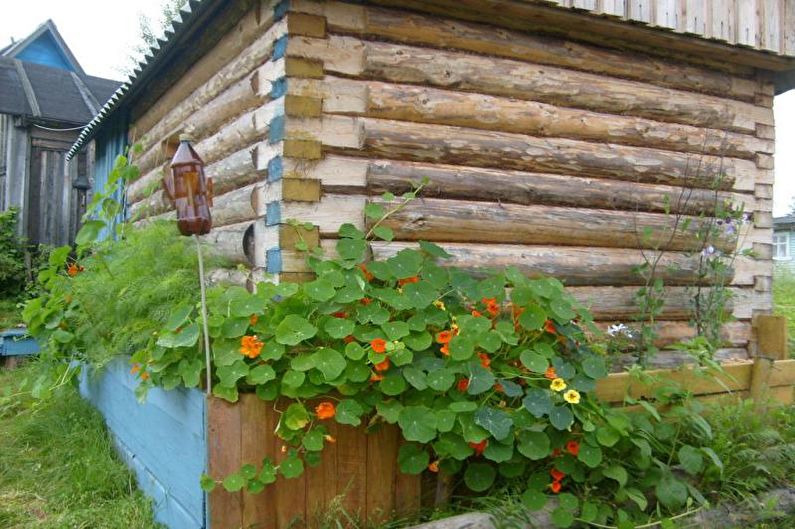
x: 44, y: 50
x: 162, y: 441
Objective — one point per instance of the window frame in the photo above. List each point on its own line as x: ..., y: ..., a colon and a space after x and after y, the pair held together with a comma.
x: 787, y: 256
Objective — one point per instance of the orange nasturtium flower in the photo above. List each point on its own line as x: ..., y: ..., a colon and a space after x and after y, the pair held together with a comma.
x: 476, y: 314
x: 367, y: 274
x: 549, y: 326
x: 135, y: 369
x: 555, y: 486
x: 144, y: 375
x: 378, y: 345
x: 480, y: 447
x: 550, y: 373
x: 250, y: 346
x: 485, y: 361
x: 556, y: 474
x: 340, y: 314
x: 375, y: 377
x: 73, y: 270
x: 573, y: 447
x: 325, y: 410
x: 462, y: 385
x: 434, y: 466
x: 445, y: 350
x: 412, y: 279
x: 444, y: 337
x: 382, y: 366
x: 252, y: 320
x: 366, y: 301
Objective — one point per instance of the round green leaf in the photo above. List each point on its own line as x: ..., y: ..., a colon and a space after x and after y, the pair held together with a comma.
x: 330, y: 363
x: 671, y: 492
x: 349, y: 412
x: 296, y: 417
x: 607, y: 436
x: 412, y: 459
x: 534, y: 500
x: 294, y: 329
x: 339, y: 327
x: 260, y: 375
x: 417, y: 423
x: 618, y: 473
x: 234, y: 482
x: 207, y: 483
x: 479, y: 476
x: 496, y: 422
x: 313, y: 440
x: 691, y: 459
x: 533, y: 445
x: 561, y: 417
x: 538, y: 402
x: 440, y: 379
x: 532, y: 318
x: 533, y: 361
x: 461, y: 348
x: 393, y: 384
x: 590, y: 455
x: 292, y: 466
x: 562, y: 518
x: 293, y: 379
x: 594, y: 367
x: 415, y: 377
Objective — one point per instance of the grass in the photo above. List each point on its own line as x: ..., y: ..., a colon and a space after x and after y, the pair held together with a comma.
x: 784, y: 301
x: 58, y: 468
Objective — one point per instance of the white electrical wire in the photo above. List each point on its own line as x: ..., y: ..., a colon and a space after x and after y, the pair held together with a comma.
x: 59, y: 130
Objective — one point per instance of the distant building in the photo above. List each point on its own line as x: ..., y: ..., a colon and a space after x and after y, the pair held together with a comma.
x: 45, y: 100
x: 784, y: 242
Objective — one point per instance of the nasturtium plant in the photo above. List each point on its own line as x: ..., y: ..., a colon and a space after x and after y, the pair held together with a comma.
x: 489, y: 376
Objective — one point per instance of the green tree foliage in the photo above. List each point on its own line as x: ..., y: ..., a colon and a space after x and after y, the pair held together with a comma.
x: 12, y: 256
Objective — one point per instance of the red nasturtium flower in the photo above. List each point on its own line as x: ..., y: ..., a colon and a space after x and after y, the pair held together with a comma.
x: 340, y: 314
x: 485, y: 361
x: 549, y: 326
x: 366, y: 301
x: 556, y: 474
x: 444, y: 337
x: 556, y: 452
x: 382, y: 366
x: 325, y: 410
x: 412, y: 279
x: 476, y: 314
x: 445, y: 350
x: 378, y: 345
x: 550, y: 373
x: 555, y: 486
x: 252, y: 320
x: 250, y: 346
x: 573, y: 447
x: 367, y: 274
x: 349, y: 339
x: 462, y: 385
x: 73, y: 270
x: 434, y: 466
x: 375, y: 377
x: 480, y: 447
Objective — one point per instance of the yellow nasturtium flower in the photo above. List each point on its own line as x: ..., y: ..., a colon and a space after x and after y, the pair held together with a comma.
x: 572, y: 396
x: 558, y: 385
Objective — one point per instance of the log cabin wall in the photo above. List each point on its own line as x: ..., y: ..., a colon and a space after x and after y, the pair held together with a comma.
x: 544, y: 152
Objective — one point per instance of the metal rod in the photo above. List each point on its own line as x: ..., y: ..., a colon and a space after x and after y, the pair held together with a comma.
x: 204, y: 316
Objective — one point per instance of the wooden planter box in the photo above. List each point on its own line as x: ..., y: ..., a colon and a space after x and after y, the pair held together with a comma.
x: 359, y: 471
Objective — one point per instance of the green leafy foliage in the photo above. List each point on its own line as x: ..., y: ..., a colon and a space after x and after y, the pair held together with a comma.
x: 12, y: 250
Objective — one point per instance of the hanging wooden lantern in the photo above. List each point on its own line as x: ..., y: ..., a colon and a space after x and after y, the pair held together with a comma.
x: 190, y: 192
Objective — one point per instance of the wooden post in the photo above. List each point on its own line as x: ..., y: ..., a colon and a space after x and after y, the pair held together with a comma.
x: 771, y: 337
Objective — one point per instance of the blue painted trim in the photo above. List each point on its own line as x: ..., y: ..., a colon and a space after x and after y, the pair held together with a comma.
x: 16, y: 342
x: 273, y: 260
x: 279, y: 48
x: 276, y: 129
x: 273, y: 213
x: 275, y: 169
x: 278, y: 88
x: 162, y: 440
x: 281, y: 9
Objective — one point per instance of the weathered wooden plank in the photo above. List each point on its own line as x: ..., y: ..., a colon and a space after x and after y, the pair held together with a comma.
x: 412, y: 28
x: 382, y: 448
x: 224, y: 433
x: 736, y: 334
x: 547, y: 84
x: 428, y: 105
x: 290, y: 495
x: 747, y: 23
x: 463, y: 146
x: 352, y: 462
x: 574, y: 265
x: 723, y: 20
x: 518, y: 187
x: 468, y: 221
x: 257, y: 443
x: 321, y: 485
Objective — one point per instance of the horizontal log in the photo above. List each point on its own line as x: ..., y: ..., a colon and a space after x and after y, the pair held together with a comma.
x: 502, y: 77
x: 227, y: 277
x: 429, y: 105
x: 518, y: 187
x: 465, y: 146
x: 233, y: 242
x: 667, y: 359
x: 735, y: 334
x: 478, y: 222
x: 413, y: 28
x: 235, y: 56
x: 573, y: 265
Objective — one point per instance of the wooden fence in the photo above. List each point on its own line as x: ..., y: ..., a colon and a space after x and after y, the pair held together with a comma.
x: 361, y: 468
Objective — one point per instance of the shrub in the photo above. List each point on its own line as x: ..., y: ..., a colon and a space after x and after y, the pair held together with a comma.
x: 12, y: 256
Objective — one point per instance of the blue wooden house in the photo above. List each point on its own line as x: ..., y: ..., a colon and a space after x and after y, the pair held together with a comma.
x: 46, y: 99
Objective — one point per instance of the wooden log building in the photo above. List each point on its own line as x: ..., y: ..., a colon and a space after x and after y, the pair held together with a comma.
x: 45, y: 100
x: 552, y: 132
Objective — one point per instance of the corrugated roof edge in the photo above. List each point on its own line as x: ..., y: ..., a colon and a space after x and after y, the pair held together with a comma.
x: 156, y: 55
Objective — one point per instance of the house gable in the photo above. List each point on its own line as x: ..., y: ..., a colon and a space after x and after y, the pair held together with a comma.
x: 45, y: 46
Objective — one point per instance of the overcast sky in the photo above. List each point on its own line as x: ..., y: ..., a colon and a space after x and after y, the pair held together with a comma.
x: 101, y: 34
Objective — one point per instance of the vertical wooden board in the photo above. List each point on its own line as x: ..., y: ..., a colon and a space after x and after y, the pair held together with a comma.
x: 407, y: 491
x: 352, y: 470
x: 613, y: 7
x: 783, y: 395
x: 771, y: 25
x: 666, y: 13
x: 290, y: 497
x: 257, y: 443
x: 321, y: 484
x: 695, y: 17
x: 771, y: 336
x: 722, y: 20
x: 382, y: 446
x: 747, y: 24
x: 788, y: 27
x: 640, y: 10
x: 224, y: 430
